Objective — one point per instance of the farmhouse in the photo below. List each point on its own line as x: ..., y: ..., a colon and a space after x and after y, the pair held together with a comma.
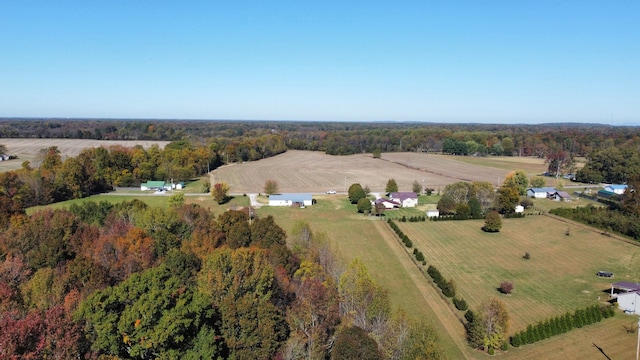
x: 561, y: 196
x: 407, y: 198
x: 290, y: 200
x: 616, y: 189
x: 154, y: 185
x: 388, y: 204
x: 540, y: 193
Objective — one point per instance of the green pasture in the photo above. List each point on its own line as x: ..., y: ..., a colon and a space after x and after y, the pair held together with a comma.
x: 353, y: 236
x: 559, y: 277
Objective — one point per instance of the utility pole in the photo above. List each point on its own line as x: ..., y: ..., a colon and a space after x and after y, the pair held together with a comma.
x: 638, y: 346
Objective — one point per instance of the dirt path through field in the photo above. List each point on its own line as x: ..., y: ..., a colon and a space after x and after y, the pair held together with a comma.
x: 446, y: 321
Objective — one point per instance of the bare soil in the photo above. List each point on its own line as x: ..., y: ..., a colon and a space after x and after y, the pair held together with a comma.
x: 27, y: 149
x: 317, y: 172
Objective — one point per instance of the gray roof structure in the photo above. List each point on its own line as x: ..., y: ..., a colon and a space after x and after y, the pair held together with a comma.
x: 293, y: 197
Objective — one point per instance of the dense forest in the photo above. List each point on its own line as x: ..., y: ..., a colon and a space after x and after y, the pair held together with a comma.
x: 135, y: 282
x: 237, y: 139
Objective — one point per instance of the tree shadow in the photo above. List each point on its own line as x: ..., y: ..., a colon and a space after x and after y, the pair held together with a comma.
x: 602, y: 351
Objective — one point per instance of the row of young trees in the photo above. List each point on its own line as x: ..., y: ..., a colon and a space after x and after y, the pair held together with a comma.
x: 561, y: 324
x: 131, y: 281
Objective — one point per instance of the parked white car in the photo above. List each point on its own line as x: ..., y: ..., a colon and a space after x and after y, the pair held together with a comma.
x: 331, y: 192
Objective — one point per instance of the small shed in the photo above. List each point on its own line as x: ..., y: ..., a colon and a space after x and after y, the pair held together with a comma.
x: 433, y: 213
x: 179, y: 185
x: 290, y: 199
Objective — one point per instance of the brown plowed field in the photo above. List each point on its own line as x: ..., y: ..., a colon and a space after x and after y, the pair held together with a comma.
x: 27, y: 149
x: 307, y: 171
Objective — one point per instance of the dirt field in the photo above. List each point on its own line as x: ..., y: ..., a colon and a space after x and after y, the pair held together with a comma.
x: 27, y: 149
x: 316, y: 172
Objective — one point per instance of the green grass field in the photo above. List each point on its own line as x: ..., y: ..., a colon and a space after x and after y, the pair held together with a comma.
x: 353, y: 236
x: 559, y: 277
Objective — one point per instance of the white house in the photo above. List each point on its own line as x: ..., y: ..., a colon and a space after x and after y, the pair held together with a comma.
x: 540, y: 193
x: 290, y: 200
x: 617, y: 189
x: 388, y: 204
x: 629, y: 302
x: 407, y: 198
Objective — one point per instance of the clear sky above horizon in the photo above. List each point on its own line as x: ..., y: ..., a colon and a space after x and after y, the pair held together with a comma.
x: 459, y: 61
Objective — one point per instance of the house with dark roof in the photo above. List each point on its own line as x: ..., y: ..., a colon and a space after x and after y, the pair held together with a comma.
x: 561, y: 196
x: 387, y: 203
x: 292, y: 199
x: 406, y: 198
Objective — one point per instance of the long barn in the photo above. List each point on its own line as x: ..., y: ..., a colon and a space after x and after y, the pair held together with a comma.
x: 290, y: 200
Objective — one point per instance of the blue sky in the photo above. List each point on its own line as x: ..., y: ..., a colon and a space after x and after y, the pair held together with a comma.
x: 458, y: 61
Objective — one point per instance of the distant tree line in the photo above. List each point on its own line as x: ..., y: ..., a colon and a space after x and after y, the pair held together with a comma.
x: 252, y: 140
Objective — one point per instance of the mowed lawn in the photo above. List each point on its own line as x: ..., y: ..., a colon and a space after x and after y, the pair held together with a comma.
x: 559, y: 277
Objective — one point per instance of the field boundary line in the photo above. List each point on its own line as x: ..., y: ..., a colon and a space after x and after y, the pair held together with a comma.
x: 593, y: 229
x: 457, y: 334
x: 426, y: 170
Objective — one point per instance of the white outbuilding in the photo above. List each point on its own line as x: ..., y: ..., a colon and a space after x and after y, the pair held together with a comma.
x: 629, y: 302
x: 290, y: 199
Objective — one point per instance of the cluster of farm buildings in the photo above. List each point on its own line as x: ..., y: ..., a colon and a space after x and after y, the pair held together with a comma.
x: 552, y: 193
